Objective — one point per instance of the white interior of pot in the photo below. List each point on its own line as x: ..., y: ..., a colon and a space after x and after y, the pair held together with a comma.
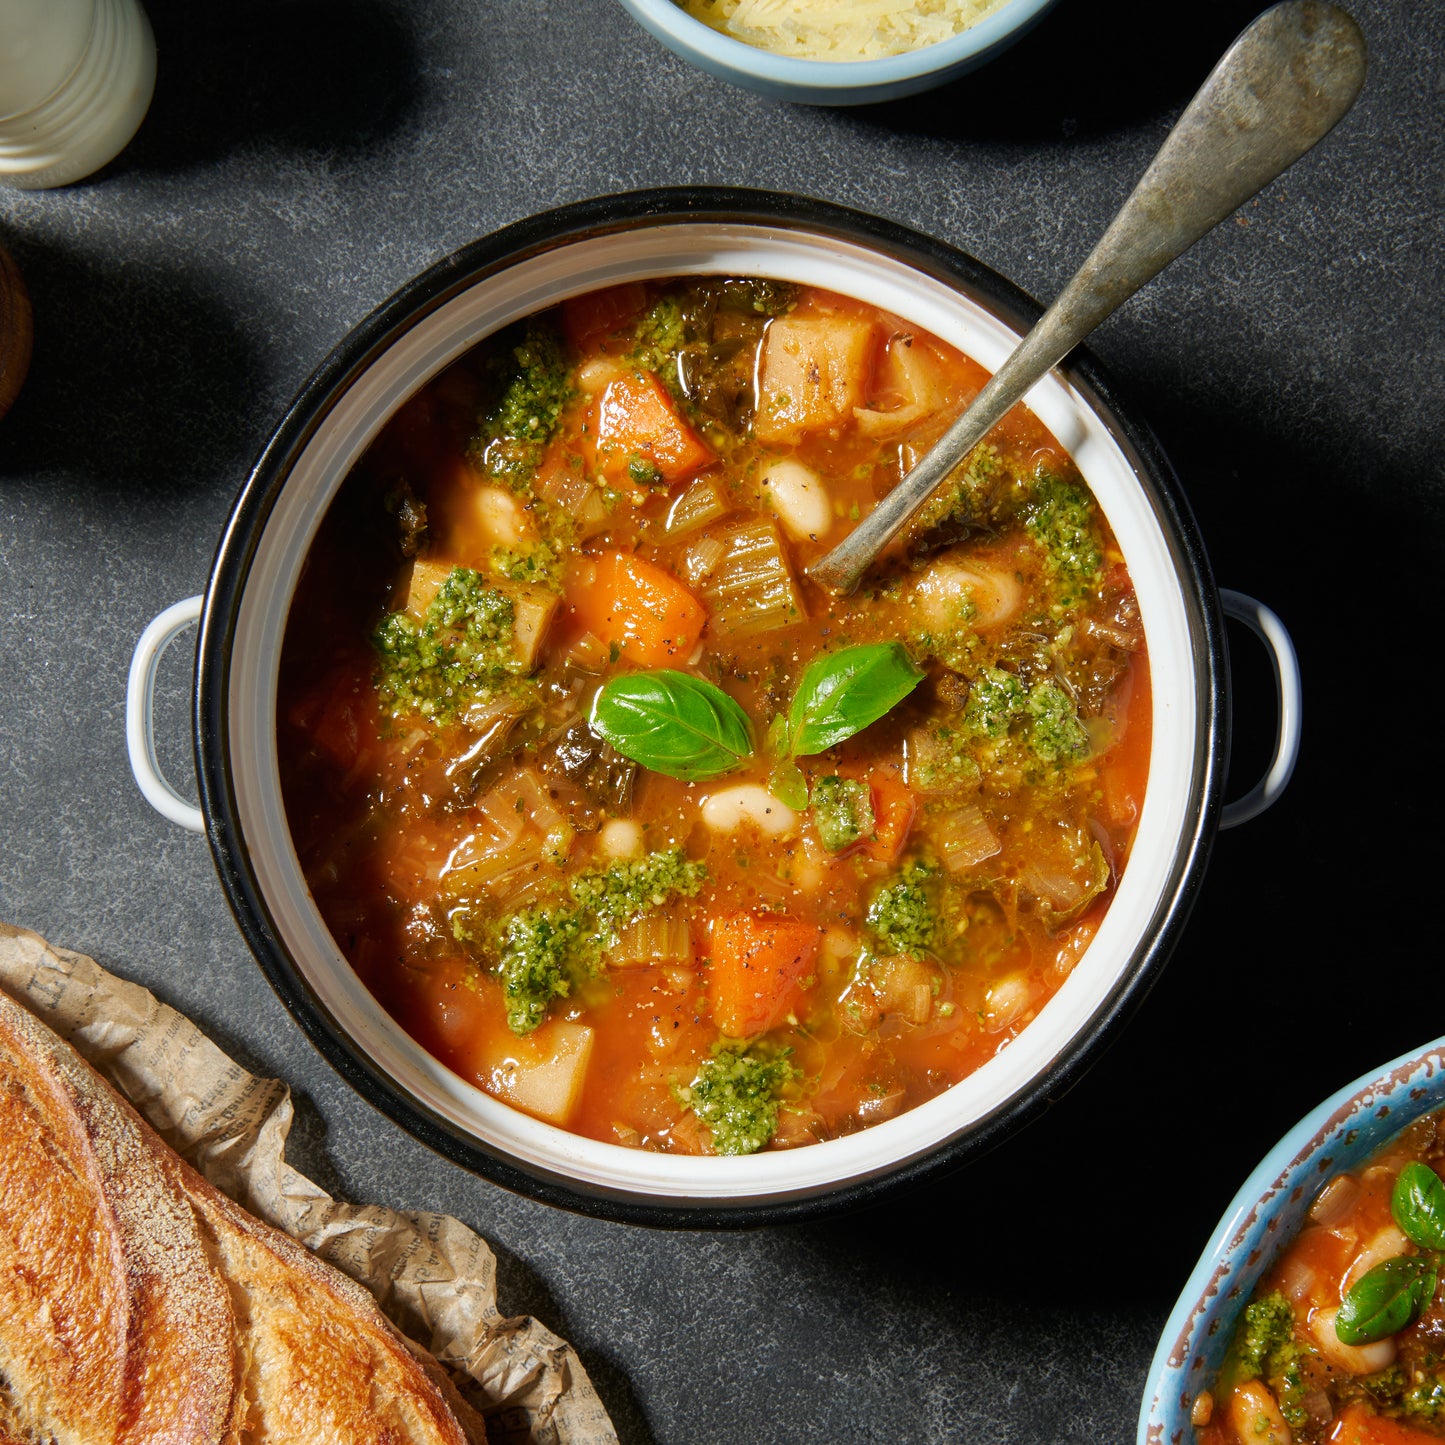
x: 668, y: 250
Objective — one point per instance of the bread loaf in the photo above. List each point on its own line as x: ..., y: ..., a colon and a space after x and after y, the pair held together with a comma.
x: 138, y: 1304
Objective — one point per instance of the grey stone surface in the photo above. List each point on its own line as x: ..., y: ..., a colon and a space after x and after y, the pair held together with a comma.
x: 304, y: 158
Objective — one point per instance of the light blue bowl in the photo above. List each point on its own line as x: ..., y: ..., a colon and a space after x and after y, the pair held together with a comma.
x: 834, y: 82
x: 1266, y: 1213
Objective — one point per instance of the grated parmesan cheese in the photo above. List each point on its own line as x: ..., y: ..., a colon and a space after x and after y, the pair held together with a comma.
x: 840, y: 29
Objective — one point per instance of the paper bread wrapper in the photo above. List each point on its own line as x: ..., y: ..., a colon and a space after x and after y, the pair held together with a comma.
x: 432, y: 1276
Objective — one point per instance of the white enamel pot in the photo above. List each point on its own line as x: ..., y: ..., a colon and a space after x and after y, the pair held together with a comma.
x: 426, y: 326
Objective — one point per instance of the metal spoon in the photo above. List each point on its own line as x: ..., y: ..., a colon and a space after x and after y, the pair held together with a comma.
x: 1279, y: 88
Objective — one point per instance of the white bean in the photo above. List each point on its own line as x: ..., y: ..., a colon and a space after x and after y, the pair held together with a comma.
x: 1006, y: 1002
x: 1384, y: 1244
x: 500, y: 516
x: 1353, y: 1359
x: 939, y: 593
x: 799, y: 499
x: 748, y: 804
x: 599, y: 373
x: 1255, y: 1416
x: 620, y: 838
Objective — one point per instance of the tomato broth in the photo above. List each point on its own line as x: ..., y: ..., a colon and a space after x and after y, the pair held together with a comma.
x: 630, y: 823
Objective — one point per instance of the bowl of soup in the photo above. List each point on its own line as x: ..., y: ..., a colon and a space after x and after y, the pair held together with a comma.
x: 1315, y: 1313
x: 593, y: 841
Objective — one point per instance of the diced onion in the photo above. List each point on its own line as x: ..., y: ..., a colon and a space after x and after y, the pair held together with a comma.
x: 965, y: 839
x: 1335, y: 1200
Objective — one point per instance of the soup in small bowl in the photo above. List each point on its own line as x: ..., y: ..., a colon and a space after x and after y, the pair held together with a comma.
x: 593, y: 842
x: 1315, y: 1314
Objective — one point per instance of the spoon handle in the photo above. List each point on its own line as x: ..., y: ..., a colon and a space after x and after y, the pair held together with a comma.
x: 1278, y: 90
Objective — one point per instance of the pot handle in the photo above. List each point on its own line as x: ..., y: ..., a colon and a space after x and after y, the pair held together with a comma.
x: 140, y: 736
x: 1266, y: 626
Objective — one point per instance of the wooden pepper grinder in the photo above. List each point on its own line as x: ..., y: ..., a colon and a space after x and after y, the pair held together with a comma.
x: 15, y: 331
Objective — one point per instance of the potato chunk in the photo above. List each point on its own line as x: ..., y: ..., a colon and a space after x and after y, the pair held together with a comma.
x: 542, y: 1073
x: 814, y: 371
x: 532, y: 609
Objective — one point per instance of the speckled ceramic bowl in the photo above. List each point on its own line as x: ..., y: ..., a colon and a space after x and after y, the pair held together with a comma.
x: 1341, y: 1134
x: 832, y: 82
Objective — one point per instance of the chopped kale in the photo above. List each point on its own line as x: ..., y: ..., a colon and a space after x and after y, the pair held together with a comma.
x: 540, y: 954
x: 532, y: 382
x: 460, y: 653
x: 903, y: 916
x: 754, y: 295
x: 735, y: 1093
x: 842, y: 812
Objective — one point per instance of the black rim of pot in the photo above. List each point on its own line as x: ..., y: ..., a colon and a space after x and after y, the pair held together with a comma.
x: 382, y: 328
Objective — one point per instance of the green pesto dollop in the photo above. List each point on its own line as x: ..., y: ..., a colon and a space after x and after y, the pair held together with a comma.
x: 1041, y: 720
x: 540, y: 954
x: 532, y: 381
x: 903, y: 917
x: 461, y: 652
x: 736, y: 1094
x: 842, y: 812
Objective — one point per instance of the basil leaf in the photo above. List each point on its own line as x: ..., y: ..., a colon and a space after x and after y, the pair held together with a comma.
x: 673, y: 723
x: 1418, y: 1205
x: 788, y: 785
x: 842, y: 692
x: 1385, y: 1300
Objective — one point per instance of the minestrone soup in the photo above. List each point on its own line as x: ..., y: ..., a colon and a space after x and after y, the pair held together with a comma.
x: 632, y: 825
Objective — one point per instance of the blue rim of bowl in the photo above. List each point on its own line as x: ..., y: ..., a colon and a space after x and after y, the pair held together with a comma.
x: 384, y: 326
x: 1269, y: 1209
x: 832, y: 79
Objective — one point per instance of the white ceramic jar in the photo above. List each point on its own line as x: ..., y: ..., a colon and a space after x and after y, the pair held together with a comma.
x: 76, y: 78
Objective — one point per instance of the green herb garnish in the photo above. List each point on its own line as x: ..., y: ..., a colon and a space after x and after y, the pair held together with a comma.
x: 674, y: 723
x: 843, y: 692
x: 1386, y: 1299
x: 1418, y: 1204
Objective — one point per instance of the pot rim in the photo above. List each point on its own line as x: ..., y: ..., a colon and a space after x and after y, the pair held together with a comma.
x: 384, y: 326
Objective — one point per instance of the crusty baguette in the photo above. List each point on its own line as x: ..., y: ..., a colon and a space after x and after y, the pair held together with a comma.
x: 114, y: 1324
x: 323, y: 1366
x: 139, y: 1304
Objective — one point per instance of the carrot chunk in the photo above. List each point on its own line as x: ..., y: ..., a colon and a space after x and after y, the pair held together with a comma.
x: 1357, y: 1426
x: 646, y: 612
x: 893, y: 810
x: 589, y: 319
x: 759, y: 969
x: 638, y: 427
